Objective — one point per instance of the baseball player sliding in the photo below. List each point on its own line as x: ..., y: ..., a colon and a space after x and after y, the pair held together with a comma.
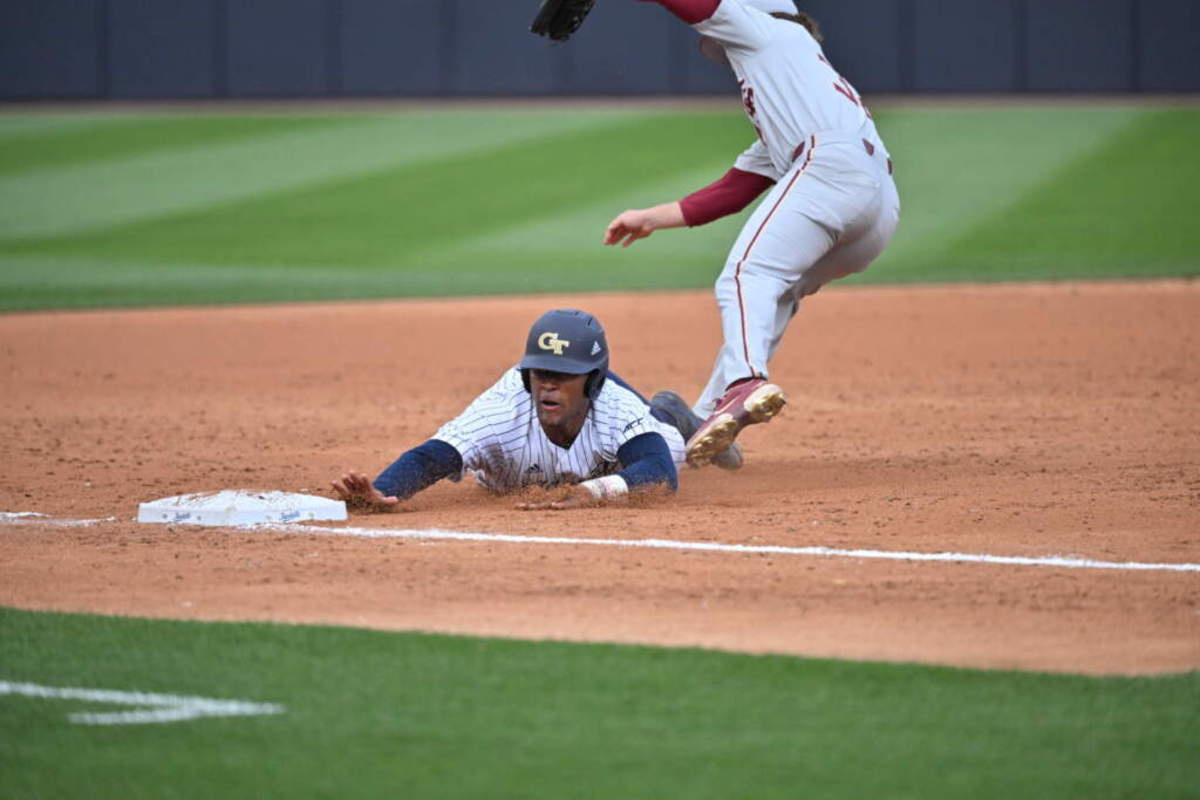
x: 831, y: 208
x: 559, y: 418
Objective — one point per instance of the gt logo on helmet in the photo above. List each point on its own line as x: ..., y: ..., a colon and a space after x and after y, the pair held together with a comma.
x: 550, y: 341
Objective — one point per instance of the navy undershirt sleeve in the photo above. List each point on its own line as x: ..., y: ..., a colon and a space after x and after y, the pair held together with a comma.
x: 647, y: 461
x: 419, y: 468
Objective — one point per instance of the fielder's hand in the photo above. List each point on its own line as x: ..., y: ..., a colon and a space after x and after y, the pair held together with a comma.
x: 359, y: 494
x: 638, y: 223
x: 573, y: 497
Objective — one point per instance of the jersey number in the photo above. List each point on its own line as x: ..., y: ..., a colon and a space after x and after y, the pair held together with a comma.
x: 842, y: 85
x: 751, y: 110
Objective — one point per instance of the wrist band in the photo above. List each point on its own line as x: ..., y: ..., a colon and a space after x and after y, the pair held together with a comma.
x: 607, y: 487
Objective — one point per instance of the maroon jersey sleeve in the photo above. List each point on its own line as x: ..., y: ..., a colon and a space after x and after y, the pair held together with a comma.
x: 729, y: 195
x: 690, y: 11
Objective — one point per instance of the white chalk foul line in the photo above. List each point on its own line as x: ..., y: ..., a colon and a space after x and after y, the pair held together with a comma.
x: 154, y: 707
x: 1062, y: 562
x: 34, y: 518
x: 716, y: 547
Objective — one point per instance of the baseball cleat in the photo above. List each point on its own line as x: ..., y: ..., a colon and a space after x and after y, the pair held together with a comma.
x: 686, y: 421
x: 745, y: 403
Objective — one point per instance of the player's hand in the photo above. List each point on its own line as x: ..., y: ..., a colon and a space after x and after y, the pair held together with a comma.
x: 638, y: 223
x: 629, y: 226
x: 572, y: 497
x: 360, y: 495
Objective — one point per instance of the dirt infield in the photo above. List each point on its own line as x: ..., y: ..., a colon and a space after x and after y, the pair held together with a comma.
x: 1010, y: 420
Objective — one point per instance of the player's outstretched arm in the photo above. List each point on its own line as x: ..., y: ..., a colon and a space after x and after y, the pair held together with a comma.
x: 417, y: 469
x: 735, y: 190
x: 356, y: 489
x: 638, y: 223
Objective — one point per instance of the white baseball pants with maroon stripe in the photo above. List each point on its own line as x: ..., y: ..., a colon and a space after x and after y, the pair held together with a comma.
x: 830, y: 216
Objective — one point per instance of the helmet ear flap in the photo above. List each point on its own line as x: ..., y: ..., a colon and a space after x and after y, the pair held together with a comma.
x: 595, y: 382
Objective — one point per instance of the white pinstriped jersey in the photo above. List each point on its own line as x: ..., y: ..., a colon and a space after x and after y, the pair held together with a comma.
x: 790, y: 91
x: 504, y: 445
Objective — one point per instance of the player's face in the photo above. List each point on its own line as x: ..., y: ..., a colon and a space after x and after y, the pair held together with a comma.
x: 558, y: 398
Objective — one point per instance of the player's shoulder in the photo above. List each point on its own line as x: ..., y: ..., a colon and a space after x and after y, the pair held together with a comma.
x: 791, y: 34
x: 617, y: 394
x: 617, y: 406
x: 509, y: 383
x: 498, y: 410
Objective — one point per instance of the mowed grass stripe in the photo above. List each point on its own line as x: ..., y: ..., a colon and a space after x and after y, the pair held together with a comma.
x: 17, y: 123
x: 39, y: 283
x: 118, y: 137
x: 569, y: 241
x: 93, y: 196
x: 28, y: 284
x: 390, y: 217
x: 486, y: 213
x: 955, y: 168
x: 372, y: 714
x: 559, y: 250
x: 961, y: 165
x: 1128, y: 206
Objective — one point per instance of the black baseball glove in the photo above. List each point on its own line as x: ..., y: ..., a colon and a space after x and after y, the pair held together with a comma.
x: 558, y: 19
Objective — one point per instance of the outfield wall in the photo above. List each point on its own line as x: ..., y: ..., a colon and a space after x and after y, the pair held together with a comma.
x: 141, y: 49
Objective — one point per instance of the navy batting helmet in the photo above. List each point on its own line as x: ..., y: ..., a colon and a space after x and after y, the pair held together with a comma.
x: 569, y: 341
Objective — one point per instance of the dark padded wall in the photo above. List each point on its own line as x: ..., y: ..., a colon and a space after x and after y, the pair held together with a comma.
x: 966, y: 45
x: 607, y: 59
x: 53, y: 48
x: 1169, y: 43
x: 1081, y: 45
x: 497, y: 55
x: 862, y: 37
x: 393, y: 48
x: 82, y: 49
x: 163, y: 49
x: 279, y: 48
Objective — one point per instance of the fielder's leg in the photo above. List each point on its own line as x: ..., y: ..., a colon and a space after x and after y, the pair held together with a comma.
x: 757, y: 298
x: 783, y: 254
x: 755, y: 294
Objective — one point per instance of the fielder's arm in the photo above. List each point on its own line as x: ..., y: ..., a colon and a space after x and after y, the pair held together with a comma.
x: 735, y: 190
x: 731, y: 23
x: 690, y: 11
x: 638, y: 223
x: 732, y: 192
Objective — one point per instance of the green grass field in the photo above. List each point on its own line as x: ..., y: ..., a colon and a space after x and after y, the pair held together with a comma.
x: 109, y: 209
x: 400, y: 715
x: 125, y: 210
